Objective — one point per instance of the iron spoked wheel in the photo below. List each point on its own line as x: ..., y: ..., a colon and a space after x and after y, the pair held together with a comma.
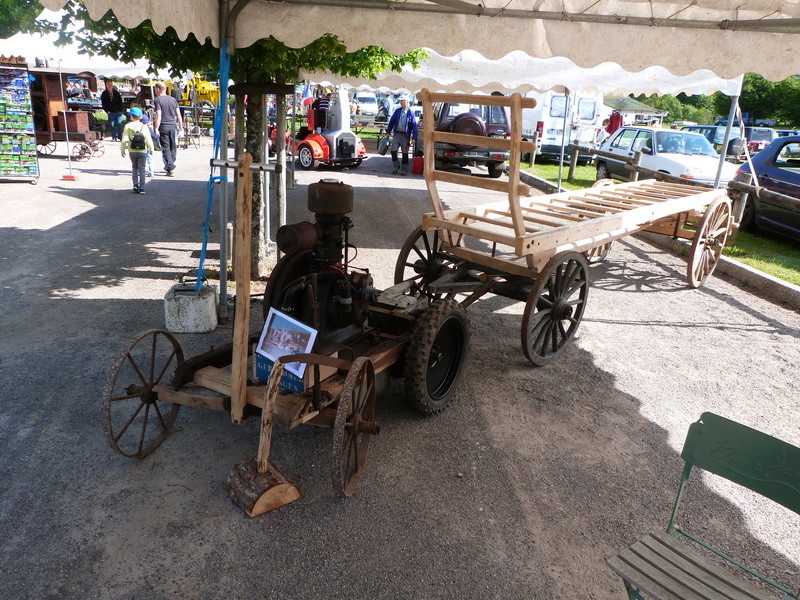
x: 598, y: 253
x: 305, y: 157
x: 354, y: 426
x: 134, y: 421
x: 98, y: 149
x: 46, y: 149
x: 708, y: 242
x: 555, y: 308
x: 287, y: 269
x: 420, y: 260
x: 436, y: 355
x: 81, y: 152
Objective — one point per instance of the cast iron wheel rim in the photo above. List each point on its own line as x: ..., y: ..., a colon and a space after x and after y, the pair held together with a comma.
x: 81, y: 152
x: 555, y: 308
x: 131, y: 409
x: 419, y: 261
x: 602, y: 172
x: 306, y: 157
x: 286, y: 270
x: 350, y: 443
x: 97, y: 149
x: 46, y: 149
x: 436, y: 355
x: 598, y: 253
x: 708, y: 242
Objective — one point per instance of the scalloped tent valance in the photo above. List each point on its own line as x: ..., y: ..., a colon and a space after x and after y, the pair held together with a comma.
x: 682, y: 36
x: 469, y: 71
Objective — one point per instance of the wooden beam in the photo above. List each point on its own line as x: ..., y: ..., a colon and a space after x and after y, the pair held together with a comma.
x: 515, y: 266
x: 479, y: 140
x: 482, y: 234
x: 479, y: 182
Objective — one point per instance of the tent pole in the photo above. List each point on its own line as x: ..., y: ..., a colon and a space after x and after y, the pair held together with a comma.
x: 563, y: 135
x: 731, y: 116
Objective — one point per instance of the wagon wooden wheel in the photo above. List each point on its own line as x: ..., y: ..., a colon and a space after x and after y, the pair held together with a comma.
x: 354, y: 426
x: 97, y: 148
x: 708, y: 242
x: 134, y: 421
x: 420, y: 260
x: 46, y: 149
x: 81, y: 152
x: 555, y: 307
x: 598, y: 253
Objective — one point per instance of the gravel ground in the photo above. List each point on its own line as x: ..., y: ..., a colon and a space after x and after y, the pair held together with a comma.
x: 520, y: 489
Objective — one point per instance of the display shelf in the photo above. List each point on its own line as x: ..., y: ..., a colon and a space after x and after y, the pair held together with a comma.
x: 18, y: 158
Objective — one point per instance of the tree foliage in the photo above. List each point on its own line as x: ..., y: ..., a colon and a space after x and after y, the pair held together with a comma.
x: 18, y: 16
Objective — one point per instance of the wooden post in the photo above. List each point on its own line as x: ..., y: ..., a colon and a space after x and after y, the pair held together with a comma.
x: 265, y: 439
x: 573, y: 163
x: 738, y: 210
x: 535, y: 147
x: 637, y: 160
x: 241, y: 262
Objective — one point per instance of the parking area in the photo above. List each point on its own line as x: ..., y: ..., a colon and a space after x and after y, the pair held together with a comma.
x: 520, y: 489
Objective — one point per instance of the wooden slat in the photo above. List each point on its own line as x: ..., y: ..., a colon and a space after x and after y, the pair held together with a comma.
x: 479, y: 182
x: 551, y: 213
x: 527, y: 218
x: 485, y: 100
x: 188, y: 398
x: 497, y: 143
x: 665, y: 569
x: 489, y: 220
x: 568, y: 206
x: 512, y: 266
x: 434, y: 223
x: 619, y: 201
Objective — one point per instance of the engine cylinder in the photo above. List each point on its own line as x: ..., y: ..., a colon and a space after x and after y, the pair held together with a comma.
x: 300, y: 237
x: 330, y: 197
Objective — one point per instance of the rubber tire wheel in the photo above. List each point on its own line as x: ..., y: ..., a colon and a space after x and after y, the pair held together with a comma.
x: 495, y: 169
x: 602, y: 172
x: 357, y: 163
x: 749, y: 216
x: 468, y: 124
x: 305, y: 156
x: 436, y: 355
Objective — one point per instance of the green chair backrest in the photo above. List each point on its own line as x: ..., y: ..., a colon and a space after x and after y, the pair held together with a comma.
x: 755, y: 460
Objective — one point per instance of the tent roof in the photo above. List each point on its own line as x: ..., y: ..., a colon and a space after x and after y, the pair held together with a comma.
x: 469, y: 71
x: 631, y: 105
x: 683, y: 36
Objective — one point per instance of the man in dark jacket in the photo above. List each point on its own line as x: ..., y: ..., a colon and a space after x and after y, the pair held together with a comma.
x: 111, y: 100
x: 404, y: 125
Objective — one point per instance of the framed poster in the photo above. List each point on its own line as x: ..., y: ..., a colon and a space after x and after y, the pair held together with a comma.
x: 282, y: 335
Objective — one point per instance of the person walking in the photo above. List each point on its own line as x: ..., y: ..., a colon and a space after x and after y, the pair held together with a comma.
x: 167, y: 125
x: 404, y: 126
x: 111, y: 101
x: 148, y: 123
x: 136, y: 139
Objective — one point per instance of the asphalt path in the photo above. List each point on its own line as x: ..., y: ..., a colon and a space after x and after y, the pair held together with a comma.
x: 520, y: 489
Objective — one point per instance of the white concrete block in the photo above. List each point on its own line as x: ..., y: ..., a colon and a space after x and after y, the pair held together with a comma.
x: 187, y: 311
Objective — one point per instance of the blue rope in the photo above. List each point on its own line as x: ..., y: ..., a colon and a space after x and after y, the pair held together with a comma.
x: 219, y: 115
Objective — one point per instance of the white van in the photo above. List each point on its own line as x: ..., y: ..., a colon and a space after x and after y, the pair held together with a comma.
x: 585, y: 113
x: 367, y: 108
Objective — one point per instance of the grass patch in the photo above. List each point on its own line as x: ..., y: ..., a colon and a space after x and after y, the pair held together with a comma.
x: 584, y: 176
x: 769, y: 253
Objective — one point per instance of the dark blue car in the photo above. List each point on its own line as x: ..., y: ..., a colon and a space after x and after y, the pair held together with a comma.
x: 778, y: 169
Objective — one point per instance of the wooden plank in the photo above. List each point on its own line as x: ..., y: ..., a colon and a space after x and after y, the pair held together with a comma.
x: 429, y: 161
x: 497, y: 222
x: 479, y: 182
x: 647, y: 582
x: 479, y: 99
x: 550, y: 213
x: 620, y: 202
x: 187, y: 398
x: 512, y: 266
x: 434, y: 223
x: 497, y: 143
x: 567, y: 206
x: 576, y: 201
x: 241, y: 265
x: 527, y: 218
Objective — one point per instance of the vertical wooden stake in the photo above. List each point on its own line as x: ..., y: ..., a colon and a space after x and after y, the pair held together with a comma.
x: 265, y: 439
x: 241, y: 266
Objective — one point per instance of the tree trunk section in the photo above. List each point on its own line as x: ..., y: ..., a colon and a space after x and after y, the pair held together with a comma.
x: 254, y: 143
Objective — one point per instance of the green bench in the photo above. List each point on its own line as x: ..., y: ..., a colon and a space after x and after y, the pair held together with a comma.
x: 662, y: 566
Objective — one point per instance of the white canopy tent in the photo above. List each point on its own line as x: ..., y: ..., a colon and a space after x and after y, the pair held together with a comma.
x: 470, y: 71
x: 682, y: 36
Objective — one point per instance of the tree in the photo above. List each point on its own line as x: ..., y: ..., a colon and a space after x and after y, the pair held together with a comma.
x: 266, y: 61
x: 18, y: 16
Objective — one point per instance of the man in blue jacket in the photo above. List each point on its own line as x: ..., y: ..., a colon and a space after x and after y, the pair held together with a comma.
x: 404, y: 126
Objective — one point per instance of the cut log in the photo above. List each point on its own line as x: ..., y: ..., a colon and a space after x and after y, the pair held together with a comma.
x: 256, y: 492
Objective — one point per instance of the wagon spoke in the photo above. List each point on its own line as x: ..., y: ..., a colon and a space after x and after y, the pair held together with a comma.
x: 419, y: 253
x: 562, y: 330
x: 126, y: 397
x: 160, y: 417
x: 136, y: 368
x: 165, y: 367
x: 554, y: 335
x: 128, y: 424
x: 153, y: 357
x: 144, y: 427
x: 426, y: 243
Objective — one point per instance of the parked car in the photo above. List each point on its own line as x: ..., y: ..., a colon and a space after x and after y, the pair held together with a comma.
x: 472, y: 119
x: 778, y: 169
x: 759, y: 138
x: 677, y: 153
x: 787, y: 132
x: 716, y: 135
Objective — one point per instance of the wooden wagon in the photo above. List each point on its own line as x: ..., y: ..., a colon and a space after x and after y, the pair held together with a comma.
x: 537, y: 248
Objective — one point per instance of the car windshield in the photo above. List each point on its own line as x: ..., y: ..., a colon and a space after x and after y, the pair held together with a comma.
x: 678, y: 142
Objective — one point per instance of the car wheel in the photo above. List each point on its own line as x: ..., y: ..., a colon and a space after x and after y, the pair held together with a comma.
x: 602, y: 171
x: 495, y: 169
x: 305, y: 156
x: 748, y: 222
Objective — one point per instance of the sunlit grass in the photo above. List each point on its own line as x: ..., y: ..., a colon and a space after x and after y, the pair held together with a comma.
x: 584, y: 176
x: 770, y: 253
